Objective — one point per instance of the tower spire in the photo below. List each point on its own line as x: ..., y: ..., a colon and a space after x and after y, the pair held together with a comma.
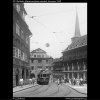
x: 77, y: 28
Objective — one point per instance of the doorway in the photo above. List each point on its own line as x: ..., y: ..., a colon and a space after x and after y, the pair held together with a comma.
x: 17, y: 80
x: 17, y: 77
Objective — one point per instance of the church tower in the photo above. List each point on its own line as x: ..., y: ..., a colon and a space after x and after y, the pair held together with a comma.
x: 77, y: 29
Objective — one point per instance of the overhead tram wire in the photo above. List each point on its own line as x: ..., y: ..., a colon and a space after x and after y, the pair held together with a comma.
x: 46, y: 27
x: 33, y: 17
x: 66, y: 11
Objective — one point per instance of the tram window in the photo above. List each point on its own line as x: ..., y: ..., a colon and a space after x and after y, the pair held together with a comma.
x: 40, y: 75
x: 47, y: 75
x: 44, y: 75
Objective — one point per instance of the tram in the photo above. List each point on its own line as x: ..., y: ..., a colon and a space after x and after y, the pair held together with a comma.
x: 43, y: 77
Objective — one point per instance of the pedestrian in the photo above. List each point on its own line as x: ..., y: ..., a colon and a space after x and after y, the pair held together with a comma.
x: 81, y: 81
x: 58, y: 82
x: 21, y: 82
x: 30, y: 81
x: 69, y: 81
x: 73, y: 81
x: 33, y: 80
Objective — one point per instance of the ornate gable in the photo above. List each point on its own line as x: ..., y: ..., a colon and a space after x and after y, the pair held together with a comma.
x: 38, y: 51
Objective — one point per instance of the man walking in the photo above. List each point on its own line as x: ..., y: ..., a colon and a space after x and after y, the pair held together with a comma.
x: 21, y: 82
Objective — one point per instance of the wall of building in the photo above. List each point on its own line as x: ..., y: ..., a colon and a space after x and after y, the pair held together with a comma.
x: 21, y: 50
x: 39, y: 62
x: 72, y: 68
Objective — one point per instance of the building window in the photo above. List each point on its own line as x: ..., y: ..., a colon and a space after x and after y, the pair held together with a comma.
x: 39, y: 61
x: 25, y: 57
x: 32, y: 67
x: 31, y: 60
x: 19, y: 53
x: 17, y: 29
x: 23, y: 16
x: 39, y: 67
x: 34, y: 56
x: 26, y: 60
x: 43, y: 61
x: 39, y: 56
x: 42, y: 56
x: 22, y: 56
x: 22, y: 35
x: 35, y: 61
x: 14, y: 52
x: 27, y: 40
x: 47, y: 61
x: 17, y: 7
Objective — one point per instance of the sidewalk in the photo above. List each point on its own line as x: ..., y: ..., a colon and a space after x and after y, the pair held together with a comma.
x: 82, y: 89
x: 19, y: 88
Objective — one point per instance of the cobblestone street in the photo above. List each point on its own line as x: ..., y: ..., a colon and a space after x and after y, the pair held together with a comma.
x: 51, y: 90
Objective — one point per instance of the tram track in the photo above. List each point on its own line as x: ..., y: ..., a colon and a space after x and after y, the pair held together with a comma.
x: 65, y: 94
x: 50, y: 90
x: 73, y: 90
x: 50, y: 95
x: 57, y: 93
x: 37, y: 93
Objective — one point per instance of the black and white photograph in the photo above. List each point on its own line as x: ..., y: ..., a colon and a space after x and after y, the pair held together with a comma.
x: 49, y: 50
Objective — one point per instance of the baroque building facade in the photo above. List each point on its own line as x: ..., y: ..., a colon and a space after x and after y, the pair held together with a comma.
x: 39, y: 60
x: 21, y: 44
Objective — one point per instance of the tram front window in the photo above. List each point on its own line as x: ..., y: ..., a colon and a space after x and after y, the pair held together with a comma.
x: 47, y: 75
x: 44, y: 75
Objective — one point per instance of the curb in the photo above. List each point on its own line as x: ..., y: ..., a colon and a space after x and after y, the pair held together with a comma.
x: 77, y: 90
x: 26, y: 88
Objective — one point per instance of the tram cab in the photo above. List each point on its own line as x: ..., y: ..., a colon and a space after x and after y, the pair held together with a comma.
x: 43, y: 78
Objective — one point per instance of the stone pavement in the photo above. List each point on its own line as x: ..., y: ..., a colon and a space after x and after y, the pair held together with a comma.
x: 19, y: 88
x: 82, y: 89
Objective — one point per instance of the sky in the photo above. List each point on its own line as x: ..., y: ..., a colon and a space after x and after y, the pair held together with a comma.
x: 54, y: 23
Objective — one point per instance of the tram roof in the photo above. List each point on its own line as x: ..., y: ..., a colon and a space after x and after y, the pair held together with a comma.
x: 43, y: 71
